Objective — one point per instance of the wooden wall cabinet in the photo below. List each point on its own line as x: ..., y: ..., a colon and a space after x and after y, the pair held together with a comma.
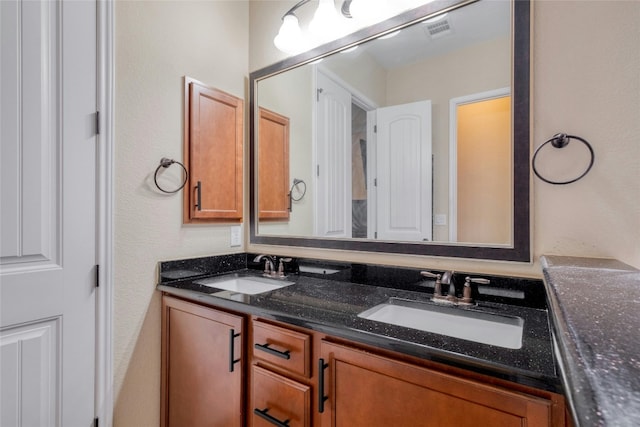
x: 213, y: 141
x: 273, y: 166
x: 203, y: 363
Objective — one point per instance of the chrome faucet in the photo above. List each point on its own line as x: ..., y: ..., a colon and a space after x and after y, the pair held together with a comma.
x: 269, y: 264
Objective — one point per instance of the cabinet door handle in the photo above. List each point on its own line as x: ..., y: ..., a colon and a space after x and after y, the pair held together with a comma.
x: 232, y: 338
x: 199, y: 196
x: 265, y: 347
x: 262, y: 413
x: 321, y: 397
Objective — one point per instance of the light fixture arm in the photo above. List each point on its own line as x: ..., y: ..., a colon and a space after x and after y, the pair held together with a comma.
x: 344, y: 9
x: 295, y: 7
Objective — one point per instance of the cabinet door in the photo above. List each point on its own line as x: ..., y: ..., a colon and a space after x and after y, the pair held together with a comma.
x: 213, y: 154
x: 273, y: 166
x: 364, y: 389
x: 202, y: 360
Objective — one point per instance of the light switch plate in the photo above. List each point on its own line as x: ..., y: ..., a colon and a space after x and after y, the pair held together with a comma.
x: 440, y: 219
x: 236, y: 235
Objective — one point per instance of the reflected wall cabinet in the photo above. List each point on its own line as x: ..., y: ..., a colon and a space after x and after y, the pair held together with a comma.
x: 273, y: 166
x: 213, y: 139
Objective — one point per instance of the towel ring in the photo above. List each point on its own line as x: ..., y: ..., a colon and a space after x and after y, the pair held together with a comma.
x: 165, y: 163
x: 292, y: 199
x: 561, y: 140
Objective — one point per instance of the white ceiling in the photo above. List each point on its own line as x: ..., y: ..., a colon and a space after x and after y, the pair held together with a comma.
x: 474, y: 23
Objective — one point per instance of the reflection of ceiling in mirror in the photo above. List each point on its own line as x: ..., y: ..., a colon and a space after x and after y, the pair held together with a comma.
x: 475, y: 23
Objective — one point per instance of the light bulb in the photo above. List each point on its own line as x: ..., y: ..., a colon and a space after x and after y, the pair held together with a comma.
x: 369, y: 11
x: 289, y: 38
x: 326, y: 23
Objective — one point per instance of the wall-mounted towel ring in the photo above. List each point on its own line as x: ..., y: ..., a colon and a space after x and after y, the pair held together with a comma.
x: 561, y: 140
x: 165, y: 163
x: 292, y: 199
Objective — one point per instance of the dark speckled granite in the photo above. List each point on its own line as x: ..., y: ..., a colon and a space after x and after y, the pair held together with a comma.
x: 595, y: 306
x: 330, y: 303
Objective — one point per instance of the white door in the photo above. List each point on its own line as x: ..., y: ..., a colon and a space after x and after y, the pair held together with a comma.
x: 333, y: 158
x: 404, y: 188
x: 48, y: 214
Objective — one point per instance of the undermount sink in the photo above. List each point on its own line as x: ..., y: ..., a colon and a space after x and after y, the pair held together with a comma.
x: 467, y: 324
x: 244, y: 284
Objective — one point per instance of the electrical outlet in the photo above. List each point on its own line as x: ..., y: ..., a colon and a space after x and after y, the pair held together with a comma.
x: 236, y: 235
x: 440, y: 219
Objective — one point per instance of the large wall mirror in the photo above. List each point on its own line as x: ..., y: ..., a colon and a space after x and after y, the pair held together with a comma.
x: 410, y: 136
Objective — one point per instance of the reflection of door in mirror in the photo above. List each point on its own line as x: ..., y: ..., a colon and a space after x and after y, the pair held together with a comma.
x: 484, y: 159
x: 273, y: 166
x: 395, y: 203
x: 404, y: 201
x: 333, y: 159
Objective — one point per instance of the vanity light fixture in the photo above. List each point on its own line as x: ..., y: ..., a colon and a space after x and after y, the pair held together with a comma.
x: 329, y: 24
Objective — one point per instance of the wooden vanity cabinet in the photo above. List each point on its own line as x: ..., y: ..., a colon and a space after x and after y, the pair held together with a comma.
x: 203, y: 363
x: 213, y: 142
x: 281, y: 377
x: 366, y: 389
x: 301, y: 378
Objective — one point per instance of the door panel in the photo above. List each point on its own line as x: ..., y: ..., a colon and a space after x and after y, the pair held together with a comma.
x: 47, y: 200
x: 404, y: 172
x: 333, y: 156
x: 28, y: 368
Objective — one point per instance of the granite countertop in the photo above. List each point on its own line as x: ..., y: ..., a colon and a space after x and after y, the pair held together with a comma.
x: 330, y: 303
x: 595, y: 309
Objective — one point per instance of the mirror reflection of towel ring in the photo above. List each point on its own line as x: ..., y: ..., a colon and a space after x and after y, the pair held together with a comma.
x: 561, y: 140
x: 292, y: 199
x: 165, y: 163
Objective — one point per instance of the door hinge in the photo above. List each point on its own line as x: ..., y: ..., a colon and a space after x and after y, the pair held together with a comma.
x: 95, y: 422
x: 317, y: 170
x: 97, y: 277
x: 318, y: 92
x: 375, y: 128
x: 375, y: 234
x: 375, y: 182
x: 97, y: 122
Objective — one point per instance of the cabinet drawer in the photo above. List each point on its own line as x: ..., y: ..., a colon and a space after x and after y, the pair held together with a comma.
x: 278, y: 400
x: 282, y: 347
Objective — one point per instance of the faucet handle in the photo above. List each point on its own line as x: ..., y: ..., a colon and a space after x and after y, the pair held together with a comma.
x: 437, y: 290
x: 430, y: 274
x: 481, y: 280
x: 466, y: 293
x: 281, y: 266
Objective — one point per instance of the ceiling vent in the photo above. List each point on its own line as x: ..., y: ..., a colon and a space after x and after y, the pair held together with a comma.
x: 438, y: 28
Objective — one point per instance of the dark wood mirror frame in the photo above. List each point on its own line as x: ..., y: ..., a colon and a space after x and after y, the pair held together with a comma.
x: 520, y: 250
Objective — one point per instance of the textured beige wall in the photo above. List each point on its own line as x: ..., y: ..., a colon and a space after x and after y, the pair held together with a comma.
x: 586, y: 82
x: 157, y: 43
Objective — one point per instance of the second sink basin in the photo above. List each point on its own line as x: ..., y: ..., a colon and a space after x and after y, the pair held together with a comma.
x: 472, y: 325
x: 244, y: 284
